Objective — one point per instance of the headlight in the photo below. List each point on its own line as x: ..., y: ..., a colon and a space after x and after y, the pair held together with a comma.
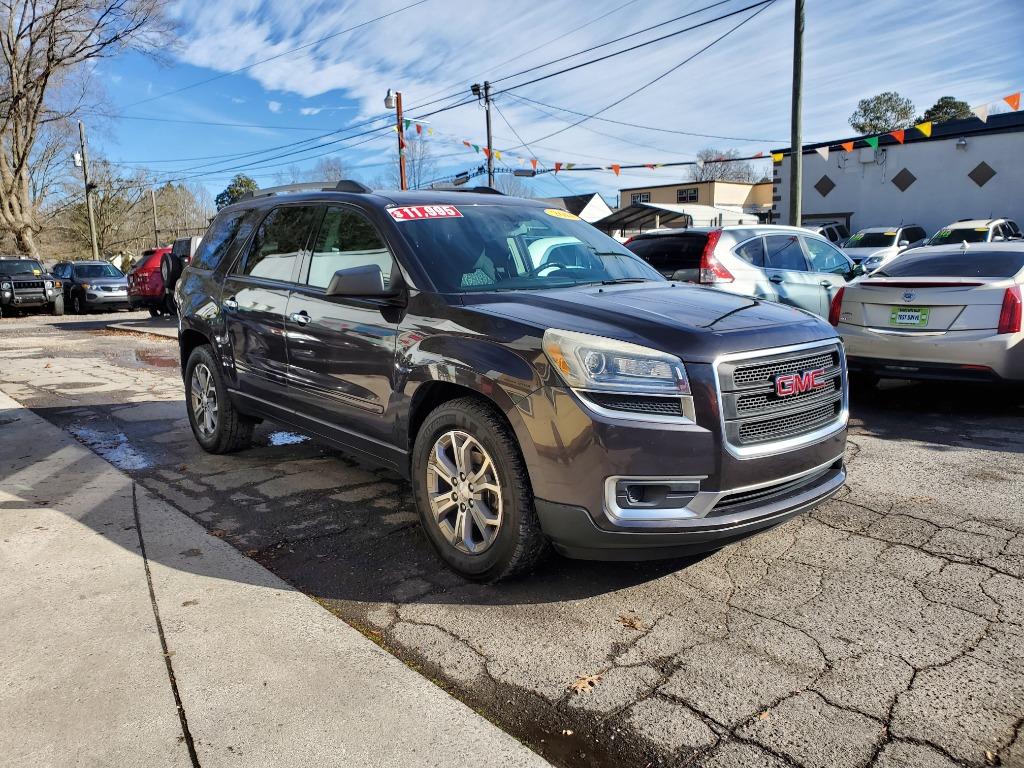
x: 5, y: 286
x: 596, y: 363
x: 86, y: 286
x: 49, y: 285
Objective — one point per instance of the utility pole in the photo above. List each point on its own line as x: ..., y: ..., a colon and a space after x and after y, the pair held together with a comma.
x: 156, y: 235
x: 88, y: 190
x: 796, y: 152
x: 485, y: 92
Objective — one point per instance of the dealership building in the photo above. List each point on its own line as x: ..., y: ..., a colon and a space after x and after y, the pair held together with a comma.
x: 966, y: 169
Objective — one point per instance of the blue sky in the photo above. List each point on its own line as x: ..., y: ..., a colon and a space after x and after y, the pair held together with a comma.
x: 738, y: 88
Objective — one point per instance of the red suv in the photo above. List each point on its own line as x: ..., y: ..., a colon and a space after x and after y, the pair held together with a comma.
x: 146, y: 285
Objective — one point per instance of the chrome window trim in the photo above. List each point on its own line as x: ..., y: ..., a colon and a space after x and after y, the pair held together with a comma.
x: 792, y: 443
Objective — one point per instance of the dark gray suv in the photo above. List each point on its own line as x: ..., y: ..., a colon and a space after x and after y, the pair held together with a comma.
x: 537, y: 382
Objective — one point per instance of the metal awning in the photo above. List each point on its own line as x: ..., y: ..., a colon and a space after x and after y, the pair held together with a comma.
x: 641, y: 216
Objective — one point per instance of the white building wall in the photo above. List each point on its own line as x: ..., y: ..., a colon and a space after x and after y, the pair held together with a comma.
x: 942, y: 192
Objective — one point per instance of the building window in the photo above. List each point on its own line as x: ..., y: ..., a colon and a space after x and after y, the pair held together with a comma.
x: 686, y: 195
x: 639, y: 197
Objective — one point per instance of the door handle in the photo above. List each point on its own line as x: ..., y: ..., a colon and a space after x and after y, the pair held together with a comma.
x: 775, y: 279
x: 302, y: 318
x: 826, y: 284
x: 230, y: 304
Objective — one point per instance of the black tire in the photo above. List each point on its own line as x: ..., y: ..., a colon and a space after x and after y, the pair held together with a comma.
x: 57, y: 307
x: 233, y: 429
x: 155, y: 312
x: 77, y: 305
x: 169, y: 306
x: 519, y: 543
x: 170, y: 271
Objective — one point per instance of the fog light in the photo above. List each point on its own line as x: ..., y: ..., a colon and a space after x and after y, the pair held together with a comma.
x: 644, y: 493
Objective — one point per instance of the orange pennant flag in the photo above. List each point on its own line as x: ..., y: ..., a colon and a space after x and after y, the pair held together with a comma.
x: 419, y: 128
x: 616, y: 168
x: 1013, y: 100
x: 487, y: 152
x: 898, y: 134
x: 649, y: 166
x: 533, y: 162
x: 468, y: 145
x: 925, y: 128
x: 759, y: 154
x: 558, y: 167
x: 847, y: 145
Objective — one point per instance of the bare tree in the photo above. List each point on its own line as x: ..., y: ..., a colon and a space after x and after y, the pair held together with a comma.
x: 511, y: 185
x: 420, y: 166
x: 325, y: 169
x: 720, y: 165
x: 43, y: 43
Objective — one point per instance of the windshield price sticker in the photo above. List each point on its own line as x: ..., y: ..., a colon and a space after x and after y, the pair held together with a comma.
x: 558, y: 213
x: 417, y: 212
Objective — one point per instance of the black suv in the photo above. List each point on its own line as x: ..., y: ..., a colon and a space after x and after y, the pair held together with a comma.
x: 536, y: 381
x: 25, y: 285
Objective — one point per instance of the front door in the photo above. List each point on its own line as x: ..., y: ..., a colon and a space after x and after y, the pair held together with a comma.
x: 255, y: 297
x: 341, y: 349
x: 830, y: 267
x: 788, y: 275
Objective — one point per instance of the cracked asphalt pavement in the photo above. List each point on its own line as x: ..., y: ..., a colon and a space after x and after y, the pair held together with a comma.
x: 885, y: 628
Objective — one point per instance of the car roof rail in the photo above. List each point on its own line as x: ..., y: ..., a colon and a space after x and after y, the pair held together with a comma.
x: 344, y: 185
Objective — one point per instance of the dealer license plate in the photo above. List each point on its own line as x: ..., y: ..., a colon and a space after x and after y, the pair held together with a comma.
x: 913, y: 316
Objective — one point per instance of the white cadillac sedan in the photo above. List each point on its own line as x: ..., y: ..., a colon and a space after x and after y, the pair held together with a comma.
x: 944, y: 312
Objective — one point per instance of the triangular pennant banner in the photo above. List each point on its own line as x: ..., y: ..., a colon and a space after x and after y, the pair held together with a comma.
x: 497, y: 155
x: 476, y: 147
x: 487, y: 152
x: 759, y: 154
x: 558, y: 167
x: 899, y: 134
x: 925, y: 128
x: 468, y: 145
x: 570, y: 166
x: 872, y: 141
x: 847, y: 145
x: 616, y: 168
x: 533, y: 162
x: 1013, y: 100
x: 407, y: 122
x: 430, y: 131
x: 981, y: 112
x: 649, y: 166
x: 823, y: 151
x: 776, y: 158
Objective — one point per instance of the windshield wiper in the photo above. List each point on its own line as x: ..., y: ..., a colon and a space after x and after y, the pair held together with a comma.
x: 618, y: 280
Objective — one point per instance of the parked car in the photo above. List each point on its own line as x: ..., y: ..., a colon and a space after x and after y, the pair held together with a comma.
x: 976, y: 231
x: 874, y: 246
x: 786, y: 264
x: 173, y: 263
x: 946, y: 312
x: 833, y: 231
x: 146, y: 283
x: 91, y: 286
x: 26, y: 285
x: 589, y: 404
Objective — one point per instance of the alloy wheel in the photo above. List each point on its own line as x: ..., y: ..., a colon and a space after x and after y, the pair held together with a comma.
x: 204, y: 400
x: 464, y: 492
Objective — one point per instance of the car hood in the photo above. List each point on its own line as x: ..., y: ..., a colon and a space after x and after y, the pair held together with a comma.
x: 697, y: 324
x: 115, y: 281
x: 862, y: 253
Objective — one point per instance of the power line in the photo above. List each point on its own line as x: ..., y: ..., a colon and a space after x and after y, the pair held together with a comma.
x: 520, y: 139
x: 278, y: 55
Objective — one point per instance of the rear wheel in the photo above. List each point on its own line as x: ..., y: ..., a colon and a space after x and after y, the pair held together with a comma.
x: 77, y: 305
x: 473, y: 494
x: 169, y: 306
x: 217, y: 425
x: 154, y: 312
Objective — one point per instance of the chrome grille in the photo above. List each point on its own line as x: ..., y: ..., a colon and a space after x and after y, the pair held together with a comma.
x: 754, y: 415
x: 20, y: 285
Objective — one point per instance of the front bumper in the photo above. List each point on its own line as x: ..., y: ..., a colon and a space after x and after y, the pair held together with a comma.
x: 963, y: 355
x: 106, y: 300
x: 27, y: 300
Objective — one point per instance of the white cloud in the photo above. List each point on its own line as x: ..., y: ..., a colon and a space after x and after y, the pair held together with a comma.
x: 237, y: 100
x: 310, y: 110
x: 274, y: 106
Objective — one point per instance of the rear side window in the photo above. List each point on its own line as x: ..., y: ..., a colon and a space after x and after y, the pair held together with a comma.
x: 751, y: 252
x: 218, y: 239
x: 346, y: 240
x: 784, y: 252
x: 924, y: 263
x: 913, y: 234
x: 825, y: 257
x: 670, y: 253
x: 279, y: 242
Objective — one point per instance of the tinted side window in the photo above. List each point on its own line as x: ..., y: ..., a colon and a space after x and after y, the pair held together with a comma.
x: 669, y: 253
x: 346, y: 239
x: 218, y: 240
x: 279, y: 242
x: 784, y: 252
x: 825, y: 257
x: 751, y: 252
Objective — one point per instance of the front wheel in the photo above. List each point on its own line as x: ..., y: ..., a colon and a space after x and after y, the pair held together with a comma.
x: 57, y: 307
x: 473, y: 494
x: 217, y: 425
x: 77, y: 305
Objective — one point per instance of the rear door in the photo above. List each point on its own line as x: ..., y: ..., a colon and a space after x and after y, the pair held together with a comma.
x: 677, y: 257
x: 829, y: 266
x: 254, y: 299
x: 341, y: 349
x: 788, y: 273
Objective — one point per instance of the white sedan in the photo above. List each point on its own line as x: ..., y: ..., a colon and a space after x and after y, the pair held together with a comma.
x: 944, y: 312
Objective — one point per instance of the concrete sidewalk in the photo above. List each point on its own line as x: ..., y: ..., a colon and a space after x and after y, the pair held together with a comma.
x: 158, y: 326
x: 98, y: 579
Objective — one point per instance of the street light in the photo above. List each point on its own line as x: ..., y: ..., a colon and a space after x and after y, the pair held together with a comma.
x: 393, y: 100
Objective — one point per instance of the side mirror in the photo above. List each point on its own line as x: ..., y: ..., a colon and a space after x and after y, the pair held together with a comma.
x: 857, y: 271
x: 366, y: 281
x: 903, y: 243
x: 997, y: 238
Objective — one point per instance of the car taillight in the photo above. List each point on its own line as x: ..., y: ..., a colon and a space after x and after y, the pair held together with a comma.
x: 1010, y: 314
x: 835, y: 309
x: 630, y: 240
x: 711, y: 269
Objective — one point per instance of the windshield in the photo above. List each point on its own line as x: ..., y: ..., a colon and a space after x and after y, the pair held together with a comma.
x: 512, y: 247
x: 923, y: 263
x: 21, y: 267
x: 965, y: 235
x: 97, y: 270
x: 872, y: 240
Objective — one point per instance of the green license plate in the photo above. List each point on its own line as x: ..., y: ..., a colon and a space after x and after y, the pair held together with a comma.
x: 916, y: 317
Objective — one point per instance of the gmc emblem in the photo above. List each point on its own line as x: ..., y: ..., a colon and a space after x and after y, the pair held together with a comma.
x: 787, y: 384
